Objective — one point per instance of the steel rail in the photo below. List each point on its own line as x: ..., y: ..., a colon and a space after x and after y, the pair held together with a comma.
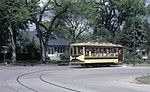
x: 57, y: 85
x: 19, y: 77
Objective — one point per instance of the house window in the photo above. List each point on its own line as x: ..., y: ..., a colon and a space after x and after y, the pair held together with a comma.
x: 51, y: 51
x: 63, y: 49
x: 48, y: 51
x: 60, y: 49
x: 143, y: 53
x: 55, y: 49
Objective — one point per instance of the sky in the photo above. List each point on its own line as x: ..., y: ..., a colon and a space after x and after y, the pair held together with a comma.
x: 147, y: 1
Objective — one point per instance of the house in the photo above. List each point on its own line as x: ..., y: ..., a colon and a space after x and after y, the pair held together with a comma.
x: 57, y: 44
x: 143, y: 54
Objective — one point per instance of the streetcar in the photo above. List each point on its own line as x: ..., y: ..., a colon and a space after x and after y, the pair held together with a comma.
x: 96, y: 54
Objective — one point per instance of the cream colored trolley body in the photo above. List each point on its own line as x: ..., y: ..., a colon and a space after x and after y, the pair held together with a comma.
x: 96, y: 54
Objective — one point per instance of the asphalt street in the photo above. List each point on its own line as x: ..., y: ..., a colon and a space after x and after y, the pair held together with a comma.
x: 46, y: 78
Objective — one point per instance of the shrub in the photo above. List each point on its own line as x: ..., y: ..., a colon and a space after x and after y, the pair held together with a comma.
x: 65, y: 57
x: 145, y: 79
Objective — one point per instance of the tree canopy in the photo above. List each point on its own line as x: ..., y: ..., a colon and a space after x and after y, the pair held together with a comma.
x: 112, y: 14
x: 13, y: 17
x: 119, y: 21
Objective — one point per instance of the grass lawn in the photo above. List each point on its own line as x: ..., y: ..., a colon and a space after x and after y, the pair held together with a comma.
x: 143, y: 79
x: 143, y: 64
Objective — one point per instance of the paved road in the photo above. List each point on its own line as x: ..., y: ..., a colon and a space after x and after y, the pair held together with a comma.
x: 65, y: 79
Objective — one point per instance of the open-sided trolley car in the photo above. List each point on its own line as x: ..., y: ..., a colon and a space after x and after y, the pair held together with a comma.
x: 95, y: 54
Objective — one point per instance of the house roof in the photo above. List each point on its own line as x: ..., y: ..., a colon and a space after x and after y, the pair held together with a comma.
x: 58, y: 42
x: 57, y: 38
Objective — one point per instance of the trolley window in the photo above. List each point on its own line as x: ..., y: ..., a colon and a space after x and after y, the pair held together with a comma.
x: 76, y: 50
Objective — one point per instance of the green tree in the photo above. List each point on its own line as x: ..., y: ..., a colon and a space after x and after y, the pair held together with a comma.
x: 112, y: 14
x: 133, y: 34
x: 146, y: 44
x: 76, y: 21
x: 147, y: 29
x: 45, y: 17
x: 3, y: 37
x: 13, y: 17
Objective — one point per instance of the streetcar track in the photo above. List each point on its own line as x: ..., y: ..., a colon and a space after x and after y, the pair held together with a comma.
x: 18, y: 80
x: 40, y: 77
x: 57, y: 85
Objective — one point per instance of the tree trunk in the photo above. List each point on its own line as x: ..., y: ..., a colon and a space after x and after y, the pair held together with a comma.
x: 42, y: 45
x: 113, y: 36
x: 43, y: 53
x: 13, y: 46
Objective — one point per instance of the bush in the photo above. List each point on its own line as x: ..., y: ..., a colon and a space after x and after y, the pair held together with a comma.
x: 60, y: 62
x: 145, y: 79
x: 7, y: 57
x: 65, y: 57
x: 133, y: 61
x: 130, y: 58
x: 51, y: 62
x: 28, y: 56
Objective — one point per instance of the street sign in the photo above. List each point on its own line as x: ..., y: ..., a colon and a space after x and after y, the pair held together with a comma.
x: 5, y: 49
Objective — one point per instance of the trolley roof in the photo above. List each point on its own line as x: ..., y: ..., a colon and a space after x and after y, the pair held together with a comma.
x: 96, y: 44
